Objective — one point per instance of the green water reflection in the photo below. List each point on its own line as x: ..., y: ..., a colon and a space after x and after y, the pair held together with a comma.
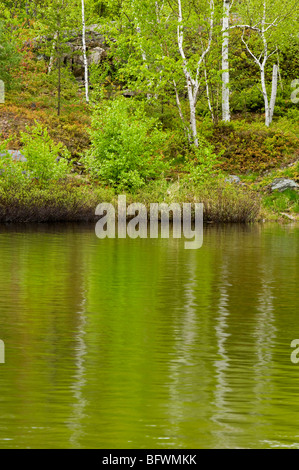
x: 143, y: 344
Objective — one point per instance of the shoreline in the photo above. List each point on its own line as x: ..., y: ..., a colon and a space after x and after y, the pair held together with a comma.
x: 76, y: 201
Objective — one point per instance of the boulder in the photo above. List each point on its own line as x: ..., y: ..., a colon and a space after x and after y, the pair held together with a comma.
x: 96, y: 47
x: 281, y: 184
x: 16, y: 155
x: 233, y: 179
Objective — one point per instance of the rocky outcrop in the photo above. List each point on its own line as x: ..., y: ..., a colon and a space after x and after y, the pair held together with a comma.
x: 96, y: 47
x: 281, y: 184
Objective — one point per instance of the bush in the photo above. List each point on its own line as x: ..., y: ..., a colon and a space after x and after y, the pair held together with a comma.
x: 247, y: 99
x: 46, y: 160
x: 202, y: 167
x: 11, y: 171
x: 127, y: 145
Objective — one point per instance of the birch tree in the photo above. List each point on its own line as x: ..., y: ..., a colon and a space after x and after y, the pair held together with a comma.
x: 269, y: 21
x: 52, y: 56
x: 192, y: 78
x: 225, y: 61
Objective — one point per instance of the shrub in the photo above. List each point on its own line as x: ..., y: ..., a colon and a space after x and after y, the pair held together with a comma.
x: 46, y: 160
x: 10, y: 171
x: 202, y: 166
x: 247, y: 99
x: 127, y: 145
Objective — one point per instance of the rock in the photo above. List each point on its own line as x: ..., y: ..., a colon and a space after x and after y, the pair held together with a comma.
x: 16, y: 155
x: 129, y: 93
x: 288, y: 216
x: 96, y: 55
x: 96, y: 46
x: 233, y: 179
x: 281, y: 184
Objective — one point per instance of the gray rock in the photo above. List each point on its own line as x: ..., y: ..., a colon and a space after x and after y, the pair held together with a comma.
x: 233, y: 179
x: 96, y: 55
x: 281, y: 184
x: 16, y: 155
x: 129, y: 93
x: 96, y: 44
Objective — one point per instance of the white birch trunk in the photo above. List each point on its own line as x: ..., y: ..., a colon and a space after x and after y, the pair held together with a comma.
x: 266, y: 100
x: 193, y: 84
x: 208, y: 94
x: 51, y: 62
x: 193, y: 121
x: 84, y: 55
x: 225, y: 61
x: 187, y: 132
x: 274, y: 91
x: 269, y: 107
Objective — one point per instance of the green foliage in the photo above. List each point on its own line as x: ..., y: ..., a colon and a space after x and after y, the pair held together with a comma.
x: 11, y: 171
x: 203, y: 163
x: 282, y: 202
x: 45, y: 160
x: 9, y: 57
x: 293, y: 114
x: 252, y: 147
x: 247, y: 99
x: 127, y: 145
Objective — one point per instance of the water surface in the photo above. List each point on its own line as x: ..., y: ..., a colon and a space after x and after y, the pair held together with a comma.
x: 143, y: 344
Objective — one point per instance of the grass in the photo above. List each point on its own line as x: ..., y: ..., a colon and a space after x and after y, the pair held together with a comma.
x: 75, y: 201
x: 286, y: 202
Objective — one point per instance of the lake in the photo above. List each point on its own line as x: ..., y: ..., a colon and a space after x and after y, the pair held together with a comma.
x: 122, y: 343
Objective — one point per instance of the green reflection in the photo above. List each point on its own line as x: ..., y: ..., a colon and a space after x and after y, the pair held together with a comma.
x: 143, y: 344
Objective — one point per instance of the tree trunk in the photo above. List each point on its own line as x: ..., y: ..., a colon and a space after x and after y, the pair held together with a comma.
x: 225, y: 61
x: 193, y: 121
x: 265, y: 95
x: 84, y: 55
x: 274, y: 91
x: 50, y: 66
x: 208, y: 94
